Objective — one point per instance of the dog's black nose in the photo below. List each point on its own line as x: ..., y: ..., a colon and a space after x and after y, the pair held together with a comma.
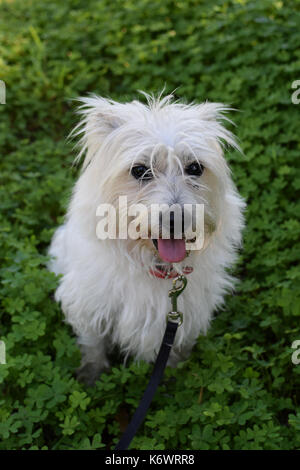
x: 172, y: 224
x: 173, y: 227
x: 175, y: 224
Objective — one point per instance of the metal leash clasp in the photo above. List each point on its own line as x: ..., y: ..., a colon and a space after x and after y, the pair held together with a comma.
x: 179, y: 284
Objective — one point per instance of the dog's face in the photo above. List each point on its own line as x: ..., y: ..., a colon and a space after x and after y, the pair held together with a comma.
x: 160, y: 153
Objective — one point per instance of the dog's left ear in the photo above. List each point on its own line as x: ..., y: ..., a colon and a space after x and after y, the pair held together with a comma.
x: 100, y: 117
x: 210, y: 111
x: 214, y: 114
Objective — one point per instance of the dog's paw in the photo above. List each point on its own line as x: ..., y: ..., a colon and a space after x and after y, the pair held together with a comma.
x: 88, y: 374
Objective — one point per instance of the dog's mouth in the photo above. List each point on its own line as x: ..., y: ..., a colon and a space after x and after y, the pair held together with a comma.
x: 171, y: 250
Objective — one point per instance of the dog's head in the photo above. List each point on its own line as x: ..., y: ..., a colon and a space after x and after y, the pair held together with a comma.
x: 154, y: 156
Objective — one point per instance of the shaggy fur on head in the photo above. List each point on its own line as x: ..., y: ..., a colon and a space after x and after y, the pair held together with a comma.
x: 107, y: 292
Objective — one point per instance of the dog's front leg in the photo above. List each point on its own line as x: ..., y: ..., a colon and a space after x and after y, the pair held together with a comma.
x: 179, y: 355
x: 94, y: 359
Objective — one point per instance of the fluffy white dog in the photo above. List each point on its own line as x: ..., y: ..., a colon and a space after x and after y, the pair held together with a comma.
x: 115, y: 291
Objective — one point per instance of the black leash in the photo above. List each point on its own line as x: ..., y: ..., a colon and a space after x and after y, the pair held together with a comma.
x: 174, y: 319
x: 155, y: 379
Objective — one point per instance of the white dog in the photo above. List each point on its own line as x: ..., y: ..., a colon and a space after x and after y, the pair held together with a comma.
x: 115, y: 291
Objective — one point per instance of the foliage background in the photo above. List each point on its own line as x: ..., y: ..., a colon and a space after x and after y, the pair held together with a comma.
x: 239, y: 389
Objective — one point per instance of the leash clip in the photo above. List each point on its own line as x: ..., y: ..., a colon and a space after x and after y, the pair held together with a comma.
x: 175, y: 317
x: 177, y: 289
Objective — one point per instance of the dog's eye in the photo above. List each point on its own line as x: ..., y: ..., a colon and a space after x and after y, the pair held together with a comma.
x: 141, y: 172
x: 194, y: 169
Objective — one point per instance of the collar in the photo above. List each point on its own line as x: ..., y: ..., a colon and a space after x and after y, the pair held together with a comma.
x: 169, y: 273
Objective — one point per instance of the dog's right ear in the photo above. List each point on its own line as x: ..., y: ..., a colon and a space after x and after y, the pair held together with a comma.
x: 100, y: 117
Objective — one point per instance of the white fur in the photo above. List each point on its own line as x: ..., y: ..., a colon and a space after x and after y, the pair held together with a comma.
x: 106, y: 291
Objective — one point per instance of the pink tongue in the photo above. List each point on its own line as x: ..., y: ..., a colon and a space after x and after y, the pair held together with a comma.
x: 171, y: 250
